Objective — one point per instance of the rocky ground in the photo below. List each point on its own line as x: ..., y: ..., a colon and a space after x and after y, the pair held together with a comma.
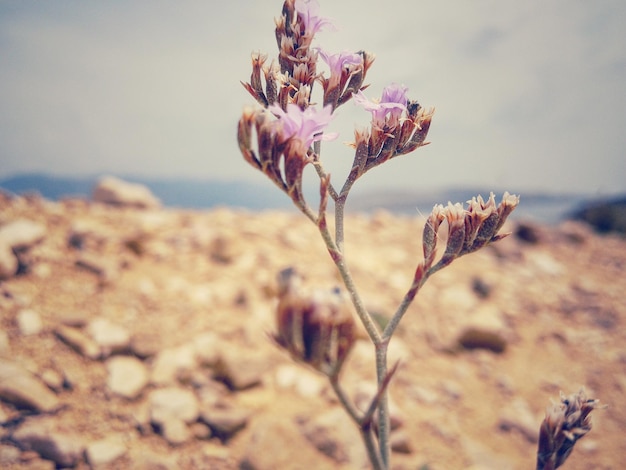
x: 138, y: 338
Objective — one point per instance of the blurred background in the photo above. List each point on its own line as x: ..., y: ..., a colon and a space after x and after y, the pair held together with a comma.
x: 530, y: 96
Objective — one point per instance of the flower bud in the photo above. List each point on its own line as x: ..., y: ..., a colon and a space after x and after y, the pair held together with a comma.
x: 316, y: 328
x: 564, y: 424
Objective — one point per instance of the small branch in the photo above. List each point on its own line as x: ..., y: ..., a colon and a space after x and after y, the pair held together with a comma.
x: 344, y: 400
x: 370, y: 445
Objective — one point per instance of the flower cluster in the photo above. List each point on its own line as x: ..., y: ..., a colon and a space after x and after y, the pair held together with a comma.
x: 398, y: 127
x: 468, y: 229
x: 284, y: 145
x: 292, y: 80
x: 564, y: 424
x: 288, y: 125
x: 316, y: 328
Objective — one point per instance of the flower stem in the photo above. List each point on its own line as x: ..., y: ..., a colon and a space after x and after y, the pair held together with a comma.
x: 383, y: 406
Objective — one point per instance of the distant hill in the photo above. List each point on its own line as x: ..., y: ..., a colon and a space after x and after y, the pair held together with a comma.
x: 204, y: 194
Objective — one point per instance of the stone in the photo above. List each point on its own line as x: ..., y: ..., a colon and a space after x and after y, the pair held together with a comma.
x: 144, y: 345
x: 53, y: 380
x: 333, y: 434
x: 528, y: 232
x: 23, y: 389
x: 206, y: 347
x: 173, y: 402
x: 79, y: 341
x: 42, y: 436
x: 128, y: 376
x: 173, y: 364
x: 22, y: 233
x: 117, y: 192
x: 175, y: 431
x: 110, y: 337
x: 265, y: 447
x: 519, y: 417
x: 483, y: 329
x: 239, y: 371
x: 104, y: 451
x: 400, y: 442
x: 29, y: 322
x: 225, y: 422
x: 8, y: 261
x: 106, y: 271
x: 304, y: 382
x: 604, y: 216
x: 200, y: 430
x: 76, y: 318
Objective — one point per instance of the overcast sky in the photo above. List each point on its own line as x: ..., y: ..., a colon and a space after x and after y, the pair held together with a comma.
x: 529, y: 95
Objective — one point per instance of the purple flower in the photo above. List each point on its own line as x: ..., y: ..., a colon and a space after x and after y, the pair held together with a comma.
x: 308, y: 11
x: 337, y: 63
x: 395, y: 93
x: 388, y: 110
x: 304, y: 126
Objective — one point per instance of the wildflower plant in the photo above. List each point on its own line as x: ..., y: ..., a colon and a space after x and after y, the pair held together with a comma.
x: 282, y: 136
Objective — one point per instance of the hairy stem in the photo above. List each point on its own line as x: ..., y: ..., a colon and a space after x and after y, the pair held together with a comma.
x: 383, y: 406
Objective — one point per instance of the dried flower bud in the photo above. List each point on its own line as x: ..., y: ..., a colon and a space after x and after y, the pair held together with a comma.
x: 468, y: 229
x: 357, y: 78
x: 255, y: 87
x: 455, y: 216
x: 564, y: 424
x: 415, y: 128
x: 485, y: 219
x: 272, y: 82
x: 317, y: 328
x: 429, y: 235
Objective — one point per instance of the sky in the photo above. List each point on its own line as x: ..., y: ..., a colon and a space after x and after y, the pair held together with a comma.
x: 528, y: 95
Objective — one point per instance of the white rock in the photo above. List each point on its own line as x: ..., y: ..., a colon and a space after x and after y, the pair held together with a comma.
x: 20, y: 387
x: 127, y: 376
x: 173, y: 403
x: 175, y: 431
x: 172, y: 364
x: 110, y: 337
x: 22, y: 233
x: 79, y: 341
x: 29, y: 322
x: 111, y: 190
x: 104, y: 451
x: 42, y: 436
x: 206, y: 346
x: 304, y: 382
